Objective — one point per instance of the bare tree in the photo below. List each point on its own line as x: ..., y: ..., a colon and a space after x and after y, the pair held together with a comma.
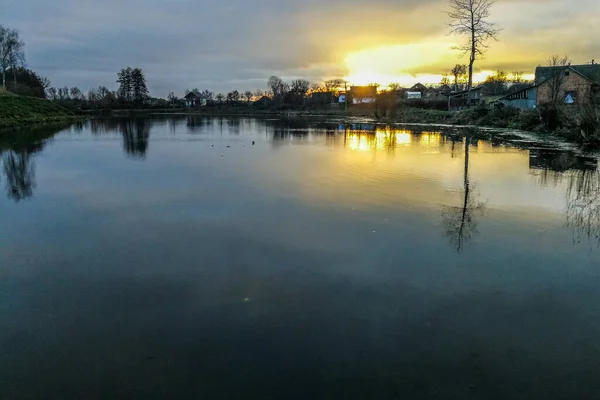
x: 470, y: 18
x: 248, y: 95
x: 557, y: 65
x: 207, y: 95
x: 394, y: 87
x: 278, y: 86
x: 220, y: 97
x: 334, y: 85
x: 458, y: 71
x: 11, y: 51
x: 259, y: 93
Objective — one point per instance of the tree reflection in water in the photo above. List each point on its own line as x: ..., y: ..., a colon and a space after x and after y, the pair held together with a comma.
x: 580, y: 176
x: 136, y: 135
x: 19, y: 170
x: 583, y: 205
x: 460, y: 222
x: 18, y: 165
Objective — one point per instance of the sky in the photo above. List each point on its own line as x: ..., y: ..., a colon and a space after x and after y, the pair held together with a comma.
x: 223, y: 45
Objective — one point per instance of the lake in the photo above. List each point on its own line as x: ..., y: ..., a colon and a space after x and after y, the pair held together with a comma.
x: 225, y: 258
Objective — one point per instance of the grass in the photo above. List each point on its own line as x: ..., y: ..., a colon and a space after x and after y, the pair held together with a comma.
x: 18, y: 111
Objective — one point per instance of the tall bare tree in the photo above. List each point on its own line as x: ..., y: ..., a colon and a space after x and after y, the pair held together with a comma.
x: 470, y: 18
x: 248, y: 95
x: 557, y: 65
x: 11, y: 51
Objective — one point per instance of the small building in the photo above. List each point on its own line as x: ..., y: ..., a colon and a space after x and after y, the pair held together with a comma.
x: 522, y: 99
x: 467, y: 98
x: 363, y: 94
x: 194, y: 99
x: 578, y: 83
x: 263, y: 102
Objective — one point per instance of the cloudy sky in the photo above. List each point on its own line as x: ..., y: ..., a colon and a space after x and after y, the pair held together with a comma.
x: 237, y: 44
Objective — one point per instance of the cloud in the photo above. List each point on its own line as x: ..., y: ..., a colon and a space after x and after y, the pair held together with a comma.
x: 221, y: 45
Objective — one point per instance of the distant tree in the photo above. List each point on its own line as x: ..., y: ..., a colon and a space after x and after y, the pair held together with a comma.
x: 394, y: 87
x: 220, y: 98
x: 233, y: 97
x: 278, y: 87
x: 11, y: 51
x: 470, y: 18
x: 138, y: 86
x: 207, y: 95
x: 458, y: 72
x: 517, y: 77
x: 445, y: 80
x: 248, y: 95
x: 334, y: 86
x: 172, y: 98
x: 300, y: 87
x: 497, y: 83
x: 76, y: 94
x: 51, y: 93
x: 125, y: 90
x: 259, y: 93
x: 92, y: 96
x: 316, y: 88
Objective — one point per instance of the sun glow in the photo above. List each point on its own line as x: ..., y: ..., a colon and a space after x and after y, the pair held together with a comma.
x: 401, y: 63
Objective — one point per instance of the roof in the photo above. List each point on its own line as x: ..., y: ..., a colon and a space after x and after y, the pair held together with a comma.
x: 589, y: 71
x: 419, y: 87
x: 195, y: 93
x: 511, y: 94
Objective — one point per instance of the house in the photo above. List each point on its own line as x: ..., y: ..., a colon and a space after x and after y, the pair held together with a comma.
x: 194, y: 99
x: 264, y: 102
x: 468, y: 98
x: 419, y: 87
x: 439, y: 92
x: 578, y: 83
x: 363, y: 94
x: 522, y: 99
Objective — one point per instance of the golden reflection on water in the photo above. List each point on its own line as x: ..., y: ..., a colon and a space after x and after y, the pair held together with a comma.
x: 390, y: 139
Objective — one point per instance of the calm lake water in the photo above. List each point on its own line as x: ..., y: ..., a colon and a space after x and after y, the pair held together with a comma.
x: 260, y: 259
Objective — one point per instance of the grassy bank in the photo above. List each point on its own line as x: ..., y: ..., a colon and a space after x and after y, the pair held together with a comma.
x: 17, y: 111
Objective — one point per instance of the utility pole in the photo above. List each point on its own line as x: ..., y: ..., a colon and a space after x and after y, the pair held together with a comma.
x: 346, y: 94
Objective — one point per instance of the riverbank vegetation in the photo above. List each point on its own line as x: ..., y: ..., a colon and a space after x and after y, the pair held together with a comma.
x: 18, y: 111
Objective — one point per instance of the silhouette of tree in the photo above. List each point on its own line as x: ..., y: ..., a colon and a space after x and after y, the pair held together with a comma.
x: 460, y: 222
x: 469, y: 18
x: 139, y: 89
x: 458, y: 72
x: 11, y: 51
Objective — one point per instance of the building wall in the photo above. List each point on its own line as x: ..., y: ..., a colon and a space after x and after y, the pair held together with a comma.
x: 530, y: 101
x: 573, y: 83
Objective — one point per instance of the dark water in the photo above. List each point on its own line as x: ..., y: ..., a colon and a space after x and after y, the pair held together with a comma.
x: 171, y: 258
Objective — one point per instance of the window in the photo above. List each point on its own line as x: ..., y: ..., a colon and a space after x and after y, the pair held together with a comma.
x: 570, y: 97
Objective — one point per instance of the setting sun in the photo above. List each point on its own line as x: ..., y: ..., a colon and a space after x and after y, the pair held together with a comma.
x: 400, y: 63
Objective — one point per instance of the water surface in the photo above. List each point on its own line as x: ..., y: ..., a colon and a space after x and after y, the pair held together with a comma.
x: 263, y: 259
